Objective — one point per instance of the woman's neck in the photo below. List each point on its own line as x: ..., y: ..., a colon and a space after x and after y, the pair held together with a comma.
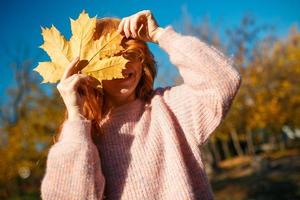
x: 115, y: 102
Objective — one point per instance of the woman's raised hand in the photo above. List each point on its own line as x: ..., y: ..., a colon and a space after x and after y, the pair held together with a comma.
x: 141, y: 25
x: 73, y: 88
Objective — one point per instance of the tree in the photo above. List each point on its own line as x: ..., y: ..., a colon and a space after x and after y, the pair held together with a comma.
x: 28, y: 121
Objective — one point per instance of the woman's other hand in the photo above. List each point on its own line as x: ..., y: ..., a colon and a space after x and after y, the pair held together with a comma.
x: 73, y: 89
x: 141, y: 25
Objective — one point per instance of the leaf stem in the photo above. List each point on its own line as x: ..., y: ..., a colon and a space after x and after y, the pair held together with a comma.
x: 103, y: 47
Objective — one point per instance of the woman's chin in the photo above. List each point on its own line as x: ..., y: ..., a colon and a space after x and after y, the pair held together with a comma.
x: 120, y: 92
x: 121, y: 88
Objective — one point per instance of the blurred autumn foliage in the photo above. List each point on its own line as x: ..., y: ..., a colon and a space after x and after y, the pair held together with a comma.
x: 268, y: 99
x: 28, y: 122
x: 264, y: 116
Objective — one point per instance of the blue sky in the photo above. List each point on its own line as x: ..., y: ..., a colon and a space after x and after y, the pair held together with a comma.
x: 20, y: 20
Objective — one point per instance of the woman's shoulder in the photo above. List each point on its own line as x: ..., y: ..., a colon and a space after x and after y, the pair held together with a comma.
x: 159, y: 92
x: 168, y: 92
x: 162, y: 94
x: 173, y: 97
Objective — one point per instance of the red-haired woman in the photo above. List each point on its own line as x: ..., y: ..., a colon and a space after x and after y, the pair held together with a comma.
x: 131, y: 141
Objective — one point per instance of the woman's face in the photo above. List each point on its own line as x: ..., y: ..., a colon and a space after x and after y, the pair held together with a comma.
x: 123, y: 90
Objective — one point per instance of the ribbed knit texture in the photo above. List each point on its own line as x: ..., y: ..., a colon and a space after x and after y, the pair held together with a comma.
x: 149, y: 151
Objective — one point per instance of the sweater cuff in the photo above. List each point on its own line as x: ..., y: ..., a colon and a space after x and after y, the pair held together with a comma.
x: 76, y: 131
x: 167, y: 36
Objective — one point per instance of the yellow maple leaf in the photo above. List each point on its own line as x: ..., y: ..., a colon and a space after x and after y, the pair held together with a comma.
x: 98, y: 58
x: 82, y: 35
x: 109, y: 68
x: 56, y: 46
x: 111, y: 38
x: 49, y: 71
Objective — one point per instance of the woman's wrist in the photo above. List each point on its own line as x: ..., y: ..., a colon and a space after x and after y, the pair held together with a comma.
x: 156, y: 34
x: 74, y: 115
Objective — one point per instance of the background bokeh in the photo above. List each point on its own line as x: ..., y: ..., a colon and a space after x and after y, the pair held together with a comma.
x: 254, y: 153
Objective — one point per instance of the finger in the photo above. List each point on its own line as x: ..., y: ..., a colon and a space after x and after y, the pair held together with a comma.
x: 73, y: 81
x: 121, y: 26
x: 142, y: 24
x: 139, y: 31
x: 68, y: 70
x: 69, y: 79
x: 133, y: 26
x: 126, y: 28
x: 146, y: 13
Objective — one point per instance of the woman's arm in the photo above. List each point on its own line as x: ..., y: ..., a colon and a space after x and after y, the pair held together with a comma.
x: 73, y: 165
x: 209, y: 83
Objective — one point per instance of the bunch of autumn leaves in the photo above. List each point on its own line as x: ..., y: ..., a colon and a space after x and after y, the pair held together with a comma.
x: 101, y: 58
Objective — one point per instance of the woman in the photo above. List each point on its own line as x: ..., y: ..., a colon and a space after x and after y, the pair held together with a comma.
x: 148, y: 146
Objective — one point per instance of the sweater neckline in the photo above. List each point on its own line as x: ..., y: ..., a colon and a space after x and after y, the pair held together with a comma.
x: 126, y: 107
x: 128, y: 111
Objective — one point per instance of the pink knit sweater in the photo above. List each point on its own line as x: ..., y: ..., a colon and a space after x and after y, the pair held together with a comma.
x: 149, y: 151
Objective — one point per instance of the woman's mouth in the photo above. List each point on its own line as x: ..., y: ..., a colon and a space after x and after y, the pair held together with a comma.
x: 126, y: 76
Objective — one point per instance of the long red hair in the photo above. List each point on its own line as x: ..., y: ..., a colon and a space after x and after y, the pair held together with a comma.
x: 93, y: 105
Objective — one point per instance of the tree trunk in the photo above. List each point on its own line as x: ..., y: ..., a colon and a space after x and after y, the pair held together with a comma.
x: 226, y: 149
x: 250, y: 145
x: 215, y: 151
x: 236, y: 142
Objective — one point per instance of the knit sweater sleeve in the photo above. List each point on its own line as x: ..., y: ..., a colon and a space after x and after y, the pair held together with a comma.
x: 73, y: 168
x: 209, y: 83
